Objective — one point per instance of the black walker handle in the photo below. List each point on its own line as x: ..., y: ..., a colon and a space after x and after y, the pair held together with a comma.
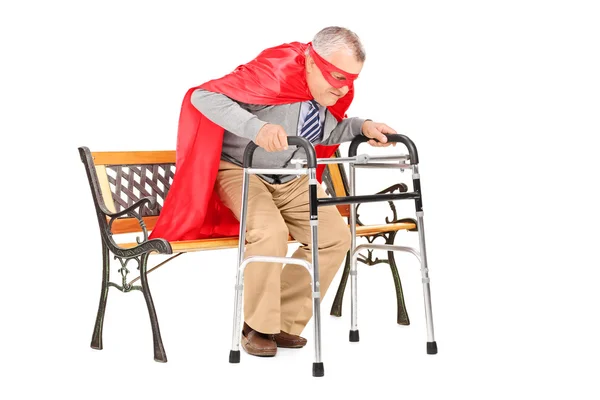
x: 311, y: 157
x: 395, y: 137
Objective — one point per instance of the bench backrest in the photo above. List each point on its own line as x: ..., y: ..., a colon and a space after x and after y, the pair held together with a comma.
x: 122, y: 178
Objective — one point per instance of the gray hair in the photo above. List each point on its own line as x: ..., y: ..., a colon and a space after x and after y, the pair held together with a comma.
x: 334, y: 38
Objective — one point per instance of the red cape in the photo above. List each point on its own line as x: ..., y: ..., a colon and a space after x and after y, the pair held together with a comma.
x: 192, y: 209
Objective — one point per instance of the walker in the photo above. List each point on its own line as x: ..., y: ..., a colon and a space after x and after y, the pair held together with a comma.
x: 308, y: 167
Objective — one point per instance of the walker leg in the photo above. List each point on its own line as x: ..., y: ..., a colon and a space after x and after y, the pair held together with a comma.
x: 318, y: 368
x: 354, y: 337
x: 431, y: 344
x: 234, y: 354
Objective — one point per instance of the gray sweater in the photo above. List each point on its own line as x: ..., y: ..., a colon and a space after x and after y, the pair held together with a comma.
x: 242, y: 122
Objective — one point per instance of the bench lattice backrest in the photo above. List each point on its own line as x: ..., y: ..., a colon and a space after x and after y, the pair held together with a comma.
x: 130, y: 183
x: 120, y: 179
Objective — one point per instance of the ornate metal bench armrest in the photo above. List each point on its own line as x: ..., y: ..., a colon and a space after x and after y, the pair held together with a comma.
x: 400, y: 187
x: 151, y: 205
x: 145, y: 245
x: 159, y: 245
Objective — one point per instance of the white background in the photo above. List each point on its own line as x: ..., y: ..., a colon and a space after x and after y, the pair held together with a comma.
x: 502, y: 100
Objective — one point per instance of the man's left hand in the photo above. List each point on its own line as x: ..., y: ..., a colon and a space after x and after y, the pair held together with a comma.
x: 378, y: 131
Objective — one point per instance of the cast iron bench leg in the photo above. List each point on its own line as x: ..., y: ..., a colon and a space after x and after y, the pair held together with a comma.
x: 159, y: 350
x: 97, y: 336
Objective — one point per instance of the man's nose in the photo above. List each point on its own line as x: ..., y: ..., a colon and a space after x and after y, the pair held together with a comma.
x: 344, y: 90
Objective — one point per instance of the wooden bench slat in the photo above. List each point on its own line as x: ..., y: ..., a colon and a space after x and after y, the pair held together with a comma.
x: 229, y: 243
x: 131, y: 225
x: 336, y: 179
x: 105, y: 188
x: 369, y: 230
x: 340, y: 191
x: 133, y: 157
x: 344, y: 210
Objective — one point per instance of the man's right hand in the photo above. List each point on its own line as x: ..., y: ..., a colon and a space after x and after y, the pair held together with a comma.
x: 272, y: 137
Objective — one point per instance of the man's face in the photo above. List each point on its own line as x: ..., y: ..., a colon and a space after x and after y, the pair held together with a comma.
x: 323, y: 91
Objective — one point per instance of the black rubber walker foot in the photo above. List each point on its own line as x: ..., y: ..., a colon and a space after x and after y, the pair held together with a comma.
x: 318, y: 369
x: 234, y: 356
x: 431, y: 348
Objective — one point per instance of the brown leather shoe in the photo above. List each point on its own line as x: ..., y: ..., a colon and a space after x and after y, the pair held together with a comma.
x: 287, y: 340
x: 258, y: 344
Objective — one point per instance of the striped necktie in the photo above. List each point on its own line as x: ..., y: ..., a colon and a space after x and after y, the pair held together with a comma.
x: 311, y: 129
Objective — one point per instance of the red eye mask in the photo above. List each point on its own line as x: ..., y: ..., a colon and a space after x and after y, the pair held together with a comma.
x: 327, y: 68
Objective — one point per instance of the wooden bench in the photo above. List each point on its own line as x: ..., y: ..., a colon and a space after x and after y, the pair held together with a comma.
x: 128, y: 190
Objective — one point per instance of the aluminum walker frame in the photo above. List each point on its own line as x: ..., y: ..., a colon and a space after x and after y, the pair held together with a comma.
x: 308, y: 167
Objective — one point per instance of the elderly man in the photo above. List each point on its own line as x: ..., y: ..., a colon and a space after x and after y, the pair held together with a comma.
x: 312, y: 88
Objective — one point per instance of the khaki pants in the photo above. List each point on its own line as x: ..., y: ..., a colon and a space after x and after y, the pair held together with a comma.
x: 274, y: 298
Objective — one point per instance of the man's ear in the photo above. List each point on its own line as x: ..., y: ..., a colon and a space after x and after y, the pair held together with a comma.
x: 310, y: 64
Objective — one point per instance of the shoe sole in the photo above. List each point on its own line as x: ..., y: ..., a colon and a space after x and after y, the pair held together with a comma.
x: 286, y: 346
x: 256, y: 352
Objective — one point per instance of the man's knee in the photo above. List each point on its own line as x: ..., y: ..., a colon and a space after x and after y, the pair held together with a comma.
x: 270, y: 234
x: 278, y: 233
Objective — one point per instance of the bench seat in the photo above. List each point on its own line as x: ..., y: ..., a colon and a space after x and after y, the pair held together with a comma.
x: 186, y: 246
